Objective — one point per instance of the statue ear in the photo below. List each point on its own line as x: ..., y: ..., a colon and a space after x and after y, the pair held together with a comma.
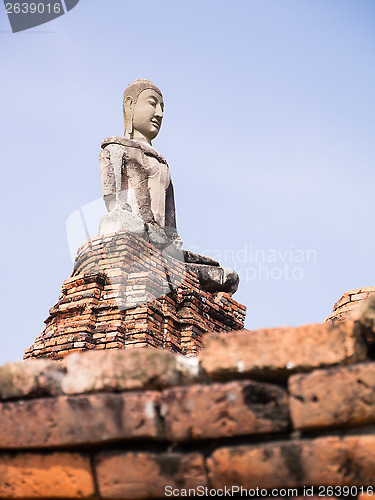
x: 128, y: 113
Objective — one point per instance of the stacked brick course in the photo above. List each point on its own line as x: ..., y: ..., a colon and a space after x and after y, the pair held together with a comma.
x: 276, y: 408
x: 349, y: 301
x: 124, y: 293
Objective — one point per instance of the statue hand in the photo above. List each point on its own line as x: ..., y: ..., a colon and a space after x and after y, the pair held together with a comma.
x: 122, y: 205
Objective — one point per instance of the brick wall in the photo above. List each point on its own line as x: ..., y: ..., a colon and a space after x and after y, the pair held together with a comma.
x: 349, y: 301
x: 274, y: 408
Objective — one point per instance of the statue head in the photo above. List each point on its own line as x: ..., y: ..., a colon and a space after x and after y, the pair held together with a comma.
x: 143, y: 110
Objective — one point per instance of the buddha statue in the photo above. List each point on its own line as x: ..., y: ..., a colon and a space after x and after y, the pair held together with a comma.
x: 136, y: 182
x: 138, y: 190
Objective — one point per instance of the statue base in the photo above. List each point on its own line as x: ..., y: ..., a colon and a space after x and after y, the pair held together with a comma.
x: 125, y: 293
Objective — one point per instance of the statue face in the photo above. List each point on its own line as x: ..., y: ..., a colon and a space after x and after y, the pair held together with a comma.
x: 148, y: 114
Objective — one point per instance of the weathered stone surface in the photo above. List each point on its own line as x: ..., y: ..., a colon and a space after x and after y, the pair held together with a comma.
x: 194, y: 258
x: 275, y: 353
x: 346, y: 462
x: 215, y: 279
x: 263, y: 466
x: 122, y: 220
x: 56, y: 475
x: 335, y: 396
x: 31, y: 379
x: 68, y: 420
x: 223, y: 410
x: 145, y: 475
x: 325, y: 461
x: 121, y: 370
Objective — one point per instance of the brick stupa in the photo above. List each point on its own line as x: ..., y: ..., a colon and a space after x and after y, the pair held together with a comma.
x: 125, y: 293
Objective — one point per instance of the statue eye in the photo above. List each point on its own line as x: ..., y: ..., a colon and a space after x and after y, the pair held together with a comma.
x: 152, y: 102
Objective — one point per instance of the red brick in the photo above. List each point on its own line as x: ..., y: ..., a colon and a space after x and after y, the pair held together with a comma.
x: 342, y: 301
x: 274, y: 353
x: 72, y: 420
x: 145, y: 475
x: 31, y: 378
x: 262, y: 466
x: 345, y: 309
x: 56, y: 475
x: 336, y: 396
x: 348, y: 461
x: 231, y: 409
x: 126, y: 370
x: 358, y: 296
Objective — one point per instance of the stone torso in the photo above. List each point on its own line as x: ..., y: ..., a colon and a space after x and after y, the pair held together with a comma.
x: 140, y: 176
x: 158, y: 179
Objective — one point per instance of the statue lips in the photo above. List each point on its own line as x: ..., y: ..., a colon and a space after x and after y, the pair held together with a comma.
x: 156, y: 122
x: 25, y: 18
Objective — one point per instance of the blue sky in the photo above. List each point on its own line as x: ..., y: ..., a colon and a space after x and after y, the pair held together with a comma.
x: 268, y: 130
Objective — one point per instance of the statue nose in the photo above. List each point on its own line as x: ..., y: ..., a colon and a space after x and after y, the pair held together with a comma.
x: 159, y: 111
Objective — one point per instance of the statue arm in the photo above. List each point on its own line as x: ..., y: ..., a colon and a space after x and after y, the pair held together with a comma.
x: 110, y: 163
x: 137, y: 175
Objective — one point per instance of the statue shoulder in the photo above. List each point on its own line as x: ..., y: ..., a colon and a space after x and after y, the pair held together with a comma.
x: 116, y: 140
x: 132, y: 148
x: 119, y: 150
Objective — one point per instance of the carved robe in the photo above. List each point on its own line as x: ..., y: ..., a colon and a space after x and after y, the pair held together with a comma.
x: 135, y: 174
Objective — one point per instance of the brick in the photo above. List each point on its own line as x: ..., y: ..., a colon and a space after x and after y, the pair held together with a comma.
x: 263, y: 466
x: 335, y: 396
x: 145, y: 475
x: 56, y: 475
x: 68, y: 420
x: 345, y: 299
x: 336, y: 318
x: 30, y: 379
x: 345, y: 462
x: 358, y: 296
x: 275, y: 353
x: 347, y: 308
x: 231, y: 409
x: 122, y: 370
x: 348, y: 461
x: 369, y: 289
